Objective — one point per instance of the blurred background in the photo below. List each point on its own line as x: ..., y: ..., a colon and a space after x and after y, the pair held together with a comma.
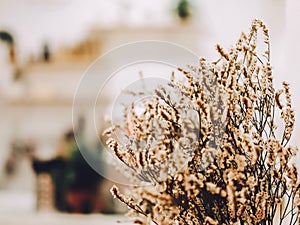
x: 45, y: 48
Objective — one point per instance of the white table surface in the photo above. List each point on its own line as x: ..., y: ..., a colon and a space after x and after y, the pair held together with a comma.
x: 61, y: 219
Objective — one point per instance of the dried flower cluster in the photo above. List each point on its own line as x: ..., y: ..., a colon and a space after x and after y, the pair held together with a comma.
x: 208, y: 147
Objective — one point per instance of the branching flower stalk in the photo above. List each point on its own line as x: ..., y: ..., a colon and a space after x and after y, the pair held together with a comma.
x: 208, y: 147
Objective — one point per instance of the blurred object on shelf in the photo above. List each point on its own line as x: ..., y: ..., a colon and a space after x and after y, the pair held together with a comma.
x: 87, y: 49
x: 183, y: 9
x: 45, y: 198
x: 77, y: 184
x: 8, y: 39
x: 77, y: 187
x: 46, y: 53
x: 46, y: 192
x: 19, y: 150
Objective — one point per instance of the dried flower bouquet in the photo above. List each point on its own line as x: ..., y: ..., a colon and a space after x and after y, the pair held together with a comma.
x: 208, y: 150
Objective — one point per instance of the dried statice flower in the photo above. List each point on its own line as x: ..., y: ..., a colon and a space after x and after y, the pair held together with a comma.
x: 209, y: 148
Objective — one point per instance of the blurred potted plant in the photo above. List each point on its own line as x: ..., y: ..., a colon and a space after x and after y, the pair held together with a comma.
x: 8, y: 39
x: 183, y: 9
x: 76, y: 182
